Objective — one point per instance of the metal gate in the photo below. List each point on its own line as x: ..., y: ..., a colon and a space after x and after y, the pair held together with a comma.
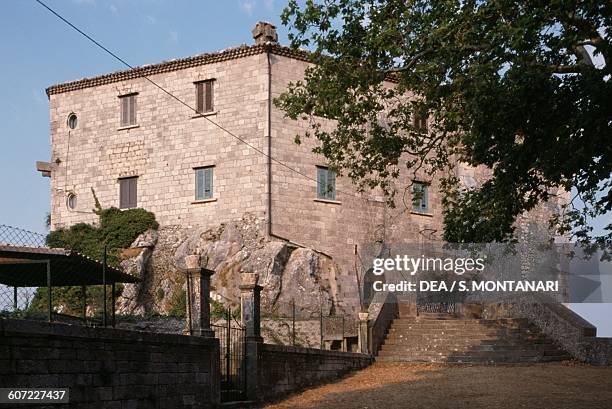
x: 441, y: 302
x: 233, y: 359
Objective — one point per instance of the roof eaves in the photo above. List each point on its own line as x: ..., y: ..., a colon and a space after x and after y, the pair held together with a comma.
x: 173, y: 65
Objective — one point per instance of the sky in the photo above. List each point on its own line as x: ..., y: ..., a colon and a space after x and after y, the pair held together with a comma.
x: 37, y: 50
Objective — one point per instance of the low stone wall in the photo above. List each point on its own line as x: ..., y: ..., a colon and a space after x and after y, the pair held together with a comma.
x: 110, y: 368
x: 284, y: 369
x: 382, y: 311
x: 573, y: 333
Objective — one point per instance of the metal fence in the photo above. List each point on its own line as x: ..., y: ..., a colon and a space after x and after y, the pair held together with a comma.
x: 36, y: 277
x: 308, y: 326
x: 232, y: 348
x: 283, y: 323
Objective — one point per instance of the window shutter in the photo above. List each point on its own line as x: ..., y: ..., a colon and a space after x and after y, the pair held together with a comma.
x: 321, y: 182
x: 132, y: 99
x: 123, y: 194
x: 209, y: 96
x: 199, y: 184
x: 132, y: 192
x: 199, y: 97
x: 208, y: 183
x: 124, y: 111
x: 331, y: 185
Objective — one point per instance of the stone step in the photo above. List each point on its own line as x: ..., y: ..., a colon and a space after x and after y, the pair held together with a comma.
x: 501, y: 321
x: 456, y: 324
x: 464, y: 343
x: 434, y: 338
x: 471, y: 359
x: 436, y: 316
x: 395, y: 350
x: 431, y: 332
x: 488, y: 345
x: 470, y: 352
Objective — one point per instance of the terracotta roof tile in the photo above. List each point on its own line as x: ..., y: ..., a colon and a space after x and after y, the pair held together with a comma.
x: 173, y: 65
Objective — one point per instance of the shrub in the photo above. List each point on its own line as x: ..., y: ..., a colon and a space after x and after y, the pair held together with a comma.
x: 117, y: 230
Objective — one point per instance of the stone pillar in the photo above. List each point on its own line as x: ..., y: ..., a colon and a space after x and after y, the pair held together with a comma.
x: 251, y: 320
x: 363, y: 333
x: 250, y: 306
x: 198, y: 291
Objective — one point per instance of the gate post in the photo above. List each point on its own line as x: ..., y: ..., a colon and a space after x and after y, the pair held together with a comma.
x: 198, y: 288
x: 250, y: 306
x: 363, y: 333
x: 251, y: 319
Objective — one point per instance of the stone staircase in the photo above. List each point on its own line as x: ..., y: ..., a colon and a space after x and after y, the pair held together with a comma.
x: 443, y: 338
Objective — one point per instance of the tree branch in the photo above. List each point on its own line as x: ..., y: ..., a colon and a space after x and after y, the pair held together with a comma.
x: 412, y: 62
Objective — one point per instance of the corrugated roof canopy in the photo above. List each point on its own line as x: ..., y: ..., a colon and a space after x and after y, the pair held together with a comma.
x: 26, y: 267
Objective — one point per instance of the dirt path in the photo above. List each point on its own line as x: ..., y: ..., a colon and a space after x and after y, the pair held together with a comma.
x: 389, y: 386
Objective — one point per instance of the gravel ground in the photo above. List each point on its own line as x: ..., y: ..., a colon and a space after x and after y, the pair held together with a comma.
x: 434, y: 386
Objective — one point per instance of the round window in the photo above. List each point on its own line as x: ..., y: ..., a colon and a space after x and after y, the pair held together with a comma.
x: 71, y: 201
x: 73, y: 121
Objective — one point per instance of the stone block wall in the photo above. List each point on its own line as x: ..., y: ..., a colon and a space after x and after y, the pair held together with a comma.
x: 284, y: 369
x: 108, y: 368
x: 570, y: 331
x: 165, y: 146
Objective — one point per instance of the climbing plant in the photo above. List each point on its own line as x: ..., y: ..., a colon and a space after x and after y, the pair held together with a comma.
x: 116, y: 230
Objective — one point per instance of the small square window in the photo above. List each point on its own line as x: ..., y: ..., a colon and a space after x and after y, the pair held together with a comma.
x: 128, y: 110
x: 204, y: 183
x: 127, y: 193
x: 420, y: 197
x: 420, y: 122
x: 326, y: 183
x: 204, y: 96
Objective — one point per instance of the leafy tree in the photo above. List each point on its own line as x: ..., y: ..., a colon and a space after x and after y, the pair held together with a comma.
x: 508, y: 85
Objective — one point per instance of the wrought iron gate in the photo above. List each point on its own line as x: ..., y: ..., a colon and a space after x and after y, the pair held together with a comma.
x: 233, y: 359
x: 441, y: 302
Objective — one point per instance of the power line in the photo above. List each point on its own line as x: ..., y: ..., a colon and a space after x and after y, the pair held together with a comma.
x: 55, y: 13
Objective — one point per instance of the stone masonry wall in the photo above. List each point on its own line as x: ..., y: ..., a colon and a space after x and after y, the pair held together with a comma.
x: 168, y: 142
x: 574, y: 334
x: 108, y: 368
x: 284, y: 369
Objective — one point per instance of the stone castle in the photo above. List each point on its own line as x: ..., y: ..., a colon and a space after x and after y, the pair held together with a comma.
x: 204, y: 168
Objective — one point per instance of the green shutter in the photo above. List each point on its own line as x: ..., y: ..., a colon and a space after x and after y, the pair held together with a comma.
x: 321, y: 182
x: 331, y: 185
x: 199, y: 182
x: 204, y: 183
x: 208, y: 183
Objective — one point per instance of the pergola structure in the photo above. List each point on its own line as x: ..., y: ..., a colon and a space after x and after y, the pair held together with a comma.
x: 23, y: 266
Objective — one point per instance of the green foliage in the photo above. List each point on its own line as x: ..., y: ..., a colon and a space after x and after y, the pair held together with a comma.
x: 69, y: 300
x: 507, y: 85
x: 178, y: 304
x: 117, y: 230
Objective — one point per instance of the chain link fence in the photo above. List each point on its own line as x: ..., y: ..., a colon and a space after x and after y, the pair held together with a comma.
x: 282, y: 323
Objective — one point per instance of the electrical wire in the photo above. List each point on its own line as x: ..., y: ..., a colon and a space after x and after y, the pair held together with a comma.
x: 55, y: 13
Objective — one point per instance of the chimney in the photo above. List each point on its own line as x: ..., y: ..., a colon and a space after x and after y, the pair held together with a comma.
x: 265, y: 32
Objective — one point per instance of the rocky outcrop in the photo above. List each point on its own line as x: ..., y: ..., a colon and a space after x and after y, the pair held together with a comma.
x: 287, y: 273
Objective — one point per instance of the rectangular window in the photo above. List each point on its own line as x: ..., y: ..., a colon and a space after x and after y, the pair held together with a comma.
x: 420, y: 122
x: 127, y: 193
x: 128, y: 110
x: 420, y: 199
x: 204, y: 96
x: 326, y: 184
x: 204, y: 183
